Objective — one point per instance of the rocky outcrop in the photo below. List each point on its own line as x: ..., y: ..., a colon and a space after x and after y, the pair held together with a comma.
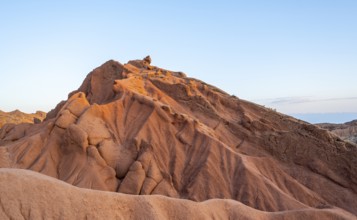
x: 147, y: 59
x: 139, y: 129
x: 346, y: 131
x: 18, y: 117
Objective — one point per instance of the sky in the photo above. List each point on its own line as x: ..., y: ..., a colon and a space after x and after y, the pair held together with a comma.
x: 296, y: 56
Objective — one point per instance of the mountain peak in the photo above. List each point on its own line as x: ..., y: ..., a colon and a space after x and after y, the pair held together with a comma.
x: 140, y: 129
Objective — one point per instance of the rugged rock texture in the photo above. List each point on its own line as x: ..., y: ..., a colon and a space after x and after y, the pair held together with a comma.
x: 346, y: 131
x: 18, y: 117
x: 143, y: 130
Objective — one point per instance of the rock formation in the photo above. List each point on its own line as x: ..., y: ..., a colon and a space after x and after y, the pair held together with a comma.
x: 142, y: 130
x: 147, y: 59
x: 346, y: 131
x: 18, y: 117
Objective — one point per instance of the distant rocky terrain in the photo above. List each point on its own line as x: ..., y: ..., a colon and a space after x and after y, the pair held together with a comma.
x: 136, y: 141
x: 18, y: 117
x: 346, y: 131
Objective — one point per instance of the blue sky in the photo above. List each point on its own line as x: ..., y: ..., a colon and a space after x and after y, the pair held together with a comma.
x: 297, y: 56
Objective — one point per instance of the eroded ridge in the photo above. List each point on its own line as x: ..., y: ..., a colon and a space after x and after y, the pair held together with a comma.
x: 143, y: 130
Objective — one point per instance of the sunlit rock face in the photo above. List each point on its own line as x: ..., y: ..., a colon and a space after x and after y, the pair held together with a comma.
x: 143, y: 130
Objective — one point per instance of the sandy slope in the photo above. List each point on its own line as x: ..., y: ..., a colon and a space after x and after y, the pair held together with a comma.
x: 138, y: 129
x: 29, y: 195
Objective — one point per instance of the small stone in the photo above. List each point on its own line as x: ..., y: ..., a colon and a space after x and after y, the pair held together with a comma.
x: 147, y: 59
x: 36, y: 120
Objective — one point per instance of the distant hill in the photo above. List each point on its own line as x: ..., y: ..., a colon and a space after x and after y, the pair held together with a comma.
x: 346, y: 131
x: 18, y: 117
x: 332, y: 118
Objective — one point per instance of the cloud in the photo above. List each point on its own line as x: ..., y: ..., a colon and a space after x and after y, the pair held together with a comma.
x: 300, y: 100
x: 289, y: 100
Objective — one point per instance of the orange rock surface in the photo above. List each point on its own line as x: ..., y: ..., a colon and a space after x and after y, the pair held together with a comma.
x: 18, y: 117
x: 142, y: 130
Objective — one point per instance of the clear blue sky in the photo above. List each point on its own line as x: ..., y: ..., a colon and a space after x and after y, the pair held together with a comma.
x: 298, y: 56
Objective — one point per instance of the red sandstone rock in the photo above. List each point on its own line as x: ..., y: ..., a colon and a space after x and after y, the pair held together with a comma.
x: 151, y: 131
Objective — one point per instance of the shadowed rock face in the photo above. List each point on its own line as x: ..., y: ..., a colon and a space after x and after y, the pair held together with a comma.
x: 139, y: 129
x: 346, y: 131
